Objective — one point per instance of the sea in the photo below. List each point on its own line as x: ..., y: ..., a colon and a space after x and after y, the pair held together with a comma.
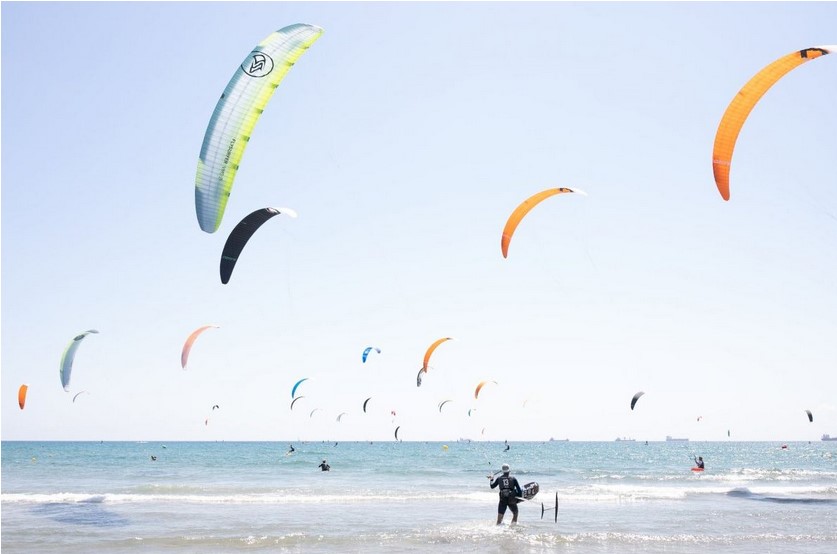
x: 619, y: 496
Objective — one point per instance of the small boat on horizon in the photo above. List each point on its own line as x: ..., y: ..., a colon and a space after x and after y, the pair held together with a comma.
x: 828, y: 438
x: 669, y: 438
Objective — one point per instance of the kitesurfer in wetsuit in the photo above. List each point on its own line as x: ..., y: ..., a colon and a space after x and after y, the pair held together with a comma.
x: 509, y: 491
x: 292, y: 449
x: 507, y: 446
x: 699, y: 462
x: 324, y: 466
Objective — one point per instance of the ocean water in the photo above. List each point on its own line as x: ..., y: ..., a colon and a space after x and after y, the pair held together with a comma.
x: 414, y: 496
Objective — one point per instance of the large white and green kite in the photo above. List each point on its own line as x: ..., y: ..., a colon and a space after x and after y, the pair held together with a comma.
x: 236, y: 113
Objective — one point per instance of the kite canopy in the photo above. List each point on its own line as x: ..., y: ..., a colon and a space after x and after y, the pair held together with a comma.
x: 442, y: 403
x: 396, y: 432
x: 296, y: 385
x: 68, y: 357
x: 365, y: 402
x: 480, y: 386
x: 241, y: 234
x: 187, y: 346
x: 744, y: 102
x: 294, y: 401
x: 432, y: 348
x: 635, y: 398
x: 520, y: 212
x: 236, y: 114
x: 369, y: 349
x: 21, y: 395
x: 810, y: 416
x: 79, y: 394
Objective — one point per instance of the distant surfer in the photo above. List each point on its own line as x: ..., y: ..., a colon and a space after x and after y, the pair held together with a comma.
x: 509, y: 491
x: 153, y: 458
x: 292, y: 449
x: 324, y: 466
x: 699, y: 462
x: 507, y: 447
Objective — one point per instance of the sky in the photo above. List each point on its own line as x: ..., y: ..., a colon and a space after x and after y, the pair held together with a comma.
x: 404, y: 138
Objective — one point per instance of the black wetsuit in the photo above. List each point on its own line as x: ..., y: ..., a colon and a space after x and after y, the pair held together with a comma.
x: 325, y: 467
x: 699, y: 463
x: 509, y: 490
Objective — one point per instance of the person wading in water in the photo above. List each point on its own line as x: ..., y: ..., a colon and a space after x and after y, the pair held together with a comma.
x: 509, y: 491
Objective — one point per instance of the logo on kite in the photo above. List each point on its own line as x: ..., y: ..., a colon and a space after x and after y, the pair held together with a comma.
x: 257, y: 64
x: 815, y: 52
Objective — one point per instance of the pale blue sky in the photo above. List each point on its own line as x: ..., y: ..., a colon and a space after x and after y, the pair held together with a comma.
x: 404, y: 138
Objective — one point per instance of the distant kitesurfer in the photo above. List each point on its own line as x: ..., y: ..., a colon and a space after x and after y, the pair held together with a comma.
x: 507, y: 446
x: 153, y: 458
x: 699, y: 462
x: 324, y: 466
x: 509, y: 491
x: 292, y: 449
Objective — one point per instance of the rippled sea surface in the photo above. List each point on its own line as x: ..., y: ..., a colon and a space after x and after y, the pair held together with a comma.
x: 416, y: 496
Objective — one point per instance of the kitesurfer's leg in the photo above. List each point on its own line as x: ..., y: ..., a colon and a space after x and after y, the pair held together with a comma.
x: 513, y: 508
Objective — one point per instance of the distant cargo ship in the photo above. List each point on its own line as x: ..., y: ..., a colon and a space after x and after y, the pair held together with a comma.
x: 669, y: 438
x: 625, y: 439
x: 828, y: 438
